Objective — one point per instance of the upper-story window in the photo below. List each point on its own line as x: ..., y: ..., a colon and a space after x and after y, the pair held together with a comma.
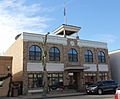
x: 88, y: 56
x: 101, y: 57
x: 72, y: 55
x: 35, y: 52
x: 54, y: 54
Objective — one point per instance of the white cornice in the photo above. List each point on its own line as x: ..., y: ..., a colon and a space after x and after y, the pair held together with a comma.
x: 61, y: 40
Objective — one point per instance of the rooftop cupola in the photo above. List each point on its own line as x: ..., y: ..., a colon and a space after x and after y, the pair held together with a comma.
x: 66, y: 30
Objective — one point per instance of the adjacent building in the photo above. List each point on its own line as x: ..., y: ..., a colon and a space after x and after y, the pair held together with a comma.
x: 69, y: 59
x: 5, y: 75
x: 114, y: 57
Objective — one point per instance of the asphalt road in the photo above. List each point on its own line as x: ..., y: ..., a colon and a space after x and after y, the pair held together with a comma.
x: 88, y: 97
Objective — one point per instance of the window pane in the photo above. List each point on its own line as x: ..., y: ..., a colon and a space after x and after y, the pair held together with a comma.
x: 54, y: 54
x: 88, y: 56
x: 101, y: 57
x: 55, y: 75
x: 51, y: 50
x: 35, y: 53
x: 74, y: 52
x: 32, y: 48
x: 70, y: 52
x: 56, y: 50
x: 72, y: 55
x: 34, y: 80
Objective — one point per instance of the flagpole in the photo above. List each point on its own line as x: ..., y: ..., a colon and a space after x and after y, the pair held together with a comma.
x: 65, y: 16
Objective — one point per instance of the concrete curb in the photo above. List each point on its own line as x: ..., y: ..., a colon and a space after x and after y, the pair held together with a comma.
x: 54, y: 96
x: 39, y: 96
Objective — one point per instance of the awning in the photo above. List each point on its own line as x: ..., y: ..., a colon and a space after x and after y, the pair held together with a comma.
x: 74, y: 68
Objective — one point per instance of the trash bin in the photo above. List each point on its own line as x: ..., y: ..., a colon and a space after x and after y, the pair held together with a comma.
x: 15, y: 91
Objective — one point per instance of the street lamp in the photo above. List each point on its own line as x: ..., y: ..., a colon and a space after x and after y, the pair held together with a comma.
x: 9, y: 75
x: 44, y: 54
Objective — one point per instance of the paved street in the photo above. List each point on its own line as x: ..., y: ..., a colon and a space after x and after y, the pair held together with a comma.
x: 88, y: 97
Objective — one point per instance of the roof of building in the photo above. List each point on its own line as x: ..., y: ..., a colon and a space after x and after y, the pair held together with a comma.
x: 114, y: 51
x: 69, y: 29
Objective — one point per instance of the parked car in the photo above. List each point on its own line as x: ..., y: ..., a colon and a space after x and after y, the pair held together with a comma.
x: 102, y: 87
x: 117, y: 93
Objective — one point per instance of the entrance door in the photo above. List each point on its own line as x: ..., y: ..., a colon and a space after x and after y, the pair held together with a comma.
x: 75, y: 80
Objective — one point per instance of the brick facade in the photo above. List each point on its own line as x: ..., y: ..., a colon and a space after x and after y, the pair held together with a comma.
x: 21, y: 59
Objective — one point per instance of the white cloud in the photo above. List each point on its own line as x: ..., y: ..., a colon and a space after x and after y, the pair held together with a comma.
x: 16, y: 16
x: 108, y: 38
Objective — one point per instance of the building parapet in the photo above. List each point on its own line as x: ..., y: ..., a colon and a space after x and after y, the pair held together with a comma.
x: 95, y: 44
x: 61, y: 40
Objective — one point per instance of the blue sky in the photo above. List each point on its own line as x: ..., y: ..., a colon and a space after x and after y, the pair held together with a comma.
x: 99, y: 19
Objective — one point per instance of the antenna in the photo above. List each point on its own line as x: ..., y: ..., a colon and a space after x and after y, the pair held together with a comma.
x: 65, y: 14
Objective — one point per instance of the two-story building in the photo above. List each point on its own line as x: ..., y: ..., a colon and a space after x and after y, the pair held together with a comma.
x: 69, y: 59
x: 5, y: 75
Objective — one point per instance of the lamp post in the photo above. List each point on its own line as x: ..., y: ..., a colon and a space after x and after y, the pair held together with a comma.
x: 44, y: 54
x: 9, y: 75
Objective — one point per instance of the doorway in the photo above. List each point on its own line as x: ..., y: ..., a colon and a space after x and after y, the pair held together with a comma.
x: 74, y: 79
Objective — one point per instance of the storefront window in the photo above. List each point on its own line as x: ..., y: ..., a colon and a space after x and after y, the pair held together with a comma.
x: 55, y: 78
x: 90, y: 78
x: 35, y: 79
x: 103, y: 75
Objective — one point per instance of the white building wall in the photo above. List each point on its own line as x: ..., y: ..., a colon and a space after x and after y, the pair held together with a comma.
x: 90, y: 67
x: 95, y: 44
x: 40, y: 38
x: 115, y: 64
x: 103, y: 67
x: 50, y: 67
x: 93, y: 67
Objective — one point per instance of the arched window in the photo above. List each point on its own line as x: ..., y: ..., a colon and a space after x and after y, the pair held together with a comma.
x: 88, y: 56
x: 72, y: 55
x: 35, y: 52
x: 54, y: 54
x: 101, y: 57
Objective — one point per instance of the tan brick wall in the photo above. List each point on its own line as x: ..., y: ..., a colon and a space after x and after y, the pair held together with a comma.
x: 16, y: 50
x: 4, y: 70
x: 4, y: 63
x: 4, y: 89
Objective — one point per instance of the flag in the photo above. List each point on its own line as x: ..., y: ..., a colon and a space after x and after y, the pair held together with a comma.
x: 64, y: 11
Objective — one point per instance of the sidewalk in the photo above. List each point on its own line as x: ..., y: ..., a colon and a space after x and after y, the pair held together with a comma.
x: 49, y: 95
x: 38, y: 96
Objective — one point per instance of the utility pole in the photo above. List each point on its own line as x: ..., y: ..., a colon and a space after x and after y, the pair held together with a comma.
x: 98, y: 77
x: 44, y: 54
